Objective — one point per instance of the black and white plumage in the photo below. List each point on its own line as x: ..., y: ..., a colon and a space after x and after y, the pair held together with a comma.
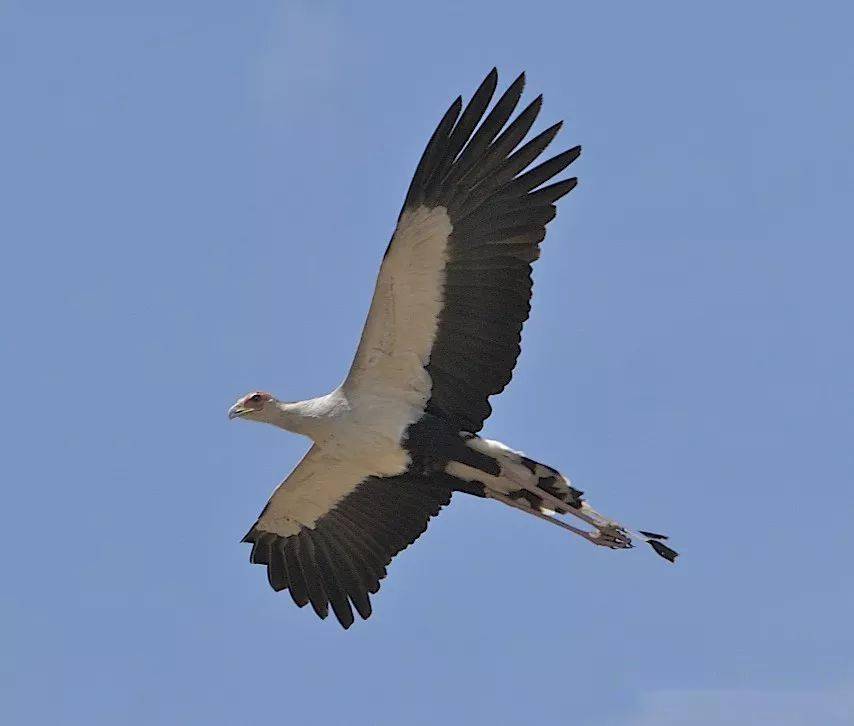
x: 399, y: 435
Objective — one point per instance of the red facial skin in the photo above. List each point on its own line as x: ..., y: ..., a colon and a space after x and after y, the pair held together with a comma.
x: 255, y: 401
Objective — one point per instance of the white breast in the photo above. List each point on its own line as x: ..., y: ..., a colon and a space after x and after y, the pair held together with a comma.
x: 367, y: 429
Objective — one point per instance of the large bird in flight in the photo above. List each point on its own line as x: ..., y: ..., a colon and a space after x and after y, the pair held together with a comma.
x: 399, y: 436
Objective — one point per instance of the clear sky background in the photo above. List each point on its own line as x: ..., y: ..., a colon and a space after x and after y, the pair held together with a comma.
x: 195, y: 199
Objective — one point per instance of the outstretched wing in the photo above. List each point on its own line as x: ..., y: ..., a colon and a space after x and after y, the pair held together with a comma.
x: 330, y: 530
x: 454, y: 288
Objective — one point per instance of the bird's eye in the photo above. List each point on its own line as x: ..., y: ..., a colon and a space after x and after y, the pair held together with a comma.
x: 255, y: 397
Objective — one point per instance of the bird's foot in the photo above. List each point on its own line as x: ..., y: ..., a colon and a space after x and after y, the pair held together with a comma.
x: 612, y: 536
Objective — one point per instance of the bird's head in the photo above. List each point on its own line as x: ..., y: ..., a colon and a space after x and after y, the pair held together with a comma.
x: 255, y: 406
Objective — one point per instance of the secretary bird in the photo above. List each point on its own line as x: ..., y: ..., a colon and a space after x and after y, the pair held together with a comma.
x: 399, y: 436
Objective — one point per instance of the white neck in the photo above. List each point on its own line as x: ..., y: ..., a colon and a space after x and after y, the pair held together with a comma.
x: 308, y: 418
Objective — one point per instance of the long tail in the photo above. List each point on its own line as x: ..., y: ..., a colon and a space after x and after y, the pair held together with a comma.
x: 544, y: 492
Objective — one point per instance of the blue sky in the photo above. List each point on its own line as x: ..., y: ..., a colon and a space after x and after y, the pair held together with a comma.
x: 196, y: 199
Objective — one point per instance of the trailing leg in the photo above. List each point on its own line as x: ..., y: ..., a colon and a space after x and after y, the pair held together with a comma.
x: 513, y: 479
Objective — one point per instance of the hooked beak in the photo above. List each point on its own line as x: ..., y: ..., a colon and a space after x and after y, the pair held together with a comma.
x: 236, y: 411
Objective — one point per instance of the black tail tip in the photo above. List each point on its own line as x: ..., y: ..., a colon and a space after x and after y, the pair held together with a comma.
x: 652, y: 535
x: 662, y: 550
